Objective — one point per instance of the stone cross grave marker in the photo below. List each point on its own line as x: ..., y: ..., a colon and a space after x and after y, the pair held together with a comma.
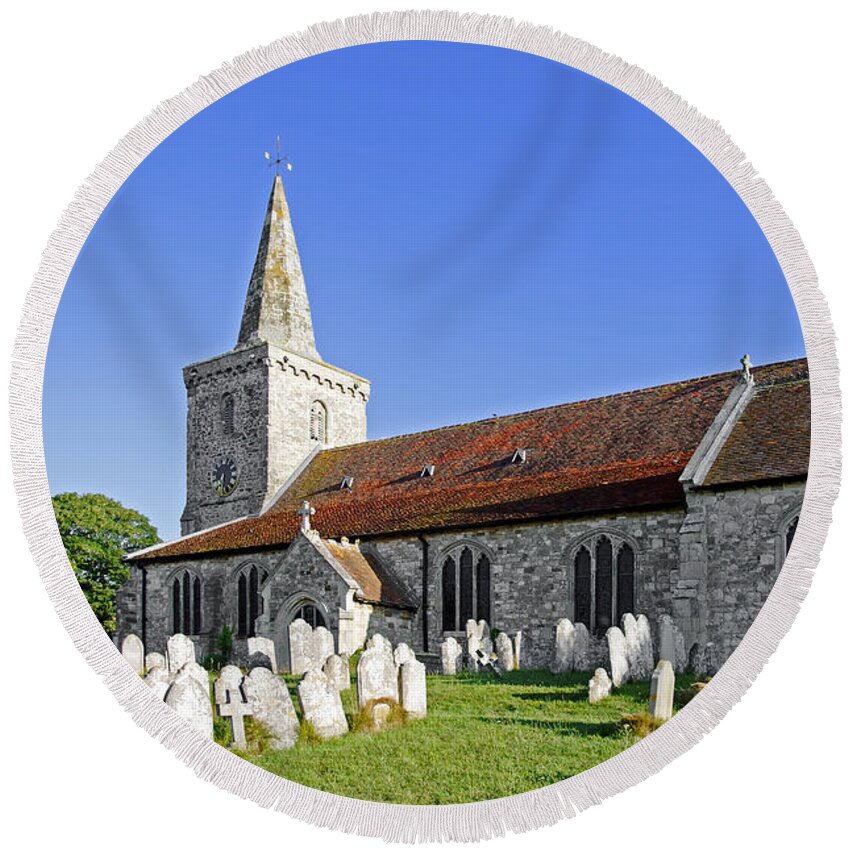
x: 661, y: 690
x: 228, y: 698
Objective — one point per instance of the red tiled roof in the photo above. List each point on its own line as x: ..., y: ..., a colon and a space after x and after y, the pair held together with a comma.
x: 771, y: 439
x: 613, y: 453
x: 376, y: 584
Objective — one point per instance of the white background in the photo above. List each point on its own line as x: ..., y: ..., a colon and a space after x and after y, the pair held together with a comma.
x: 77, y: 76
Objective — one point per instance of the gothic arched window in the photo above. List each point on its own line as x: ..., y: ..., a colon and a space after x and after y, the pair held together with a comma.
x: 318, y: 422
x: 787, y: 532
x: 466, y: 588
x: 228, y: 412
x: 249, y: 601
x: 311, y: 615
x: 186, y: 603
x: 603, y: 582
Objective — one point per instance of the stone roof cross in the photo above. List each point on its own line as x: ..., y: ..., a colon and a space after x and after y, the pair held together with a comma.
x: 305, y: 512
x: 747, y: 365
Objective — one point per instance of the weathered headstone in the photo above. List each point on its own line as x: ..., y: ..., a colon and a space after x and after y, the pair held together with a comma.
x: 628, y: 625
x: 377, y: 676
x: 323, y: 646
x: 336, y: 669
x: 378, y: 641
x: 261, y: 653
x: 133, y: 651
x: 565, y: 640
x: 414, y: 697
x: 599, y: 686
x: 380, y: 713
x: 450, y: 653
x: 402, y: 654
x: 193, y: 670
x: 486, y: 640
x: 300, y: 647
x: 644, y: 659
x: 228, y: 698
x: 617, y: 656
x: 158, y: 681
x: 505, y: 651
x: 661, y: 691
x: 474, y: 629
x: 321, y: 705
x: 154, y: 660
x: 671, y: 643
x: 518, y: 651
x: 581, y: 648
x: 192, y: 703
x: 180, y: 649
x: 272, y: 706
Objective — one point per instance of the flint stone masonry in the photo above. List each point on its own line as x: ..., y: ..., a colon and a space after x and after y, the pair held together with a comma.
x: 451, y: 655
x: 599, y: 687
x: 133, y: 651
x: 321, y: 705
x: 661, y: 691
x: 271, y: 705
x: 180, y: 649
x: 413, y: 693
x: 617, y: 654
x: 338, y: 673
x: 377, y: 676
x: 261, y: 653
x: 191, y: 702
x: 505, y: 652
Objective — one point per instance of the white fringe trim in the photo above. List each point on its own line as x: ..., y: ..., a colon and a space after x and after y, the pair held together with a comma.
x: 470, y: 821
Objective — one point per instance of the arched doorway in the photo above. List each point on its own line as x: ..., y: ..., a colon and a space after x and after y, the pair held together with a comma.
x: 299, y: 605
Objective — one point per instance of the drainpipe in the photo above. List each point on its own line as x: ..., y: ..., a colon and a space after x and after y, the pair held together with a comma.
x: 424, y: 543
x: 144, y: 606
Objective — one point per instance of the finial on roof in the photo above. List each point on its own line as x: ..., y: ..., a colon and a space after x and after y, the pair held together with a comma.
x: 746, y: 372
x: 305, y: 512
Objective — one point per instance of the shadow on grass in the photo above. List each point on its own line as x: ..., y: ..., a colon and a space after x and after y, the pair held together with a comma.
x: 568, y: 728
x: 552, y: 696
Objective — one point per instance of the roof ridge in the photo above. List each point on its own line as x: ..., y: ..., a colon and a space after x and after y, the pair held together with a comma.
x: 508, y: 416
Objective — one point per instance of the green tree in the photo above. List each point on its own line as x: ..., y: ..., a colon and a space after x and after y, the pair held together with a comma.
x: 97, y: 533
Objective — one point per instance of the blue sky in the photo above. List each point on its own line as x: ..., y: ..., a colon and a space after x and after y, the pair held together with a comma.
x: 482, y: 231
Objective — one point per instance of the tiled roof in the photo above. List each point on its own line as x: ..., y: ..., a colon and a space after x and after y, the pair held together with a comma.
x: 375, y: 582
x: 771, y: 439
x: 613, y: 453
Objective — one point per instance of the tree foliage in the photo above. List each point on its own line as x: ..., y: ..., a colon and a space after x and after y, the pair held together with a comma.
x: 97, y: 533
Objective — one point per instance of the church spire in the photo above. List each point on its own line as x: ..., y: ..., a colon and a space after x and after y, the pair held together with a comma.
x: 276, y: 306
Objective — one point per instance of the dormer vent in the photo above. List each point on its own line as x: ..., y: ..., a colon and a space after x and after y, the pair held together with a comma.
x: 347, y: 483
x: 428, y: 471
x: 519, y: 456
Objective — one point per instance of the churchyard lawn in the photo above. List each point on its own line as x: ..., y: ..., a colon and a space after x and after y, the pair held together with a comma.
x: 483, y: 738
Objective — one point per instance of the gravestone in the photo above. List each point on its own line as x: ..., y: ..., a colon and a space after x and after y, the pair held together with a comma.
x: 377, y: 676
x: 644, y: 660
x: 193, y: 670
x: 321, y: 705
x: 323, y: 646
x: 661, y: 691
x: 617, y: 656
x: 337, y: 671
x: 474, y: 629
x: 505, y: 651
x: 158, y: 681
x: 272, y: 706
x: 628, y: 626
x: 133, y: 651
x: 671, y: 643
x: 450, y: 653
x: 565, y: 640
x: 599, y: 686
x: 403, y: 653
x: 300, y: 647
x: 581, y: 648
x: 414, y: 697
x: 228, y: 698
x: 380, y: 713
x: 192, y: 703
x: 485, y: 662
x: 486, y: 641
x: 180, y: 649
x: 154, y: 660
x: 518, y: 651
x: 261, y: 653
x: 378, y: 641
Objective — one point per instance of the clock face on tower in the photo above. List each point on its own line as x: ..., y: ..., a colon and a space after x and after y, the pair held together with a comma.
x: 224, y: 477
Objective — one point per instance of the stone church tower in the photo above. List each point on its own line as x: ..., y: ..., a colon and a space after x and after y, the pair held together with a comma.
x: 256, y: 413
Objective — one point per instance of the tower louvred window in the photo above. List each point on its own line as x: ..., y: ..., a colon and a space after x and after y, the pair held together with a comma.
x: 318, y: 422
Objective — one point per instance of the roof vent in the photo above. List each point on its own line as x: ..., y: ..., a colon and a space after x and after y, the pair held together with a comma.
x: 347, y: 483
x: 428, y: 471
x: 519, y: 456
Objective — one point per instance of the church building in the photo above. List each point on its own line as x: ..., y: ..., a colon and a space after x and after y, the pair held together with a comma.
x: 679, y: 499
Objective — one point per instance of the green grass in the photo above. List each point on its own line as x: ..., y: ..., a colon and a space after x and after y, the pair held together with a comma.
x: 483, y: 738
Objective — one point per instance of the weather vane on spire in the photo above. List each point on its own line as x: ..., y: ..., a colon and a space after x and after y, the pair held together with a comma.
x: 278, y: 160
